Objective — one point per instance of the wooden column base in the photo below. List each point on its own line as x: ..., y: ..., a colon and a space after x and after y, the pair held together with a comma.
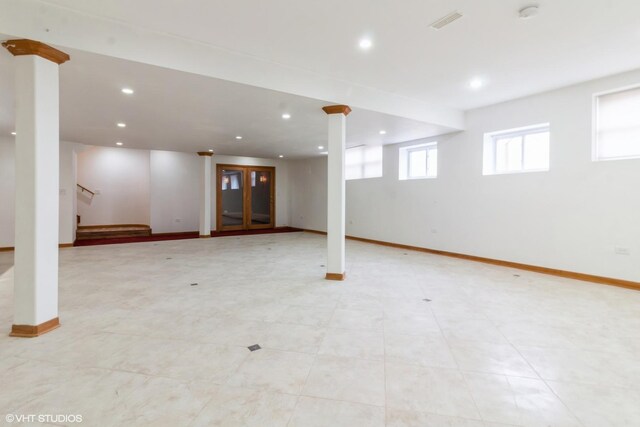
x: 205, y: 236
x: 29, y: 331
x: 335, y: 276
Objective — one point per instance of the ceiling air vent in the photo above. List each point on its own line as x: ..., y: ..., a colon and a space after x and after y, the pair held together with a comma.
x: 445, y: 20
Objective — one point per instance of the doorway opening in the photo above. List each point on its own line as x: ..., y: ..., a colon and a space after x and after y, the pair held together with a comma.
x: 245, y: 197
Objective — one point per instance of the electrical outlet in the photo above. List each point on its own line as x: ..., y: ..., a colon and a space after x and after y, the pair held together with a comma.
x: 621, y: 251
x: 434, y: 231
x: 63, y: 192
x: 178, y: 220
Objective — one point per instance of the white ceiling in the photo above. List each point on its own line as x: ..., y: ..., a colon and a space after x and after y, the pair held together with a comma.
x: 173, y: 110
x: 570, y: 41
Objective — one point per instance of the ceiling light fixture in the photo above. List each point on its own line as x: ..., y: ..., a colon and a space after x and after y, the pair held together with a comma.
x: 286, y: 116
x: 476, y: 83
x: 320, y: 147
x: 383, y: 132
x: 127, y: 91
x: 13, y: 133
x: 281, y: 156
x: 365, y: 44
x: 122, y: 125
x: 325, y: 152
x: 528, y: 12
x: 119, y: 143
x: 211, y: 151
x: 238, y: 137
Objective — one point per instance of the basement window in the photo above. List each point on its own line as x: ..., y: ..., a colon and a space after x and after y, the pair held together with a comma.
x: 363, y: 162
x: 523, y: 149
x: 617, y: 125
x: 419, y: 161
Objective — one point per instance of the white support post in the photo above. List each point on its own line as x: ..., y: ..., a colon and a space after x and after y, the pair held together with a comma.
x: 336, y: 191
x: 37, y: 191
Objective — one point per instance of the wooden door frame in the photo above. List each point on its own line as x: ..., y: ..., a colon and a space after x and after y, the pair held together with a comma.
x: 246, y: 196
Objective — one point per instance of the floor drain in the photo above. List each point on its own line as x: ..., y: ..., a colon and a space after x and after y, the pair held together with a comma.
x: 322, y: 265
x: 426, y: 300
x: 169, y: 258
x: 194, y: 284
x: 516, y: 275
x: 254, y: 347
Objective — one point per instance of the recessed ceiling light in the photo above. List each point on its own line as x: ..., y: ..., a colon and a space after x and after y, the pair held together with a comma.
x: 13, y: 133
x: 238, y: 137
x: 122, y: 125
x: 211, y: 151
x: 320, y: 147
x: 365, y: 44
x: 119, y: 143
x: 127, y: 91
x: 383, y: 132
x: 281, y: 156
x: 286, y: 116
x: 476, y: 83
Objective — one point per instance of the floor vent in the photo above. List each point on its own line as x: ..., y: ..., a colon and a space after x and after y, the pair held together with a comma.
x: 254, y: 347
x: 446, y: 20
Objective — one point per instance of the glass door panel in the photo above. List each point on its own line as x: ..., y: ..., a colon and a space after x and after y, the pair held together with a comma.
x: 261, y: 198
x: 232, y: 198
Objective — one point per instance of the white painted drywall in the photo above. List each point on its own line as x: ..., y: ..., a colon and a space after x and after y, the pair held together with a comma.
x: 68, y: 198
x: 120, y: 178
x: 571, y: 217
x: 7, y: 191
x: 174, y: 192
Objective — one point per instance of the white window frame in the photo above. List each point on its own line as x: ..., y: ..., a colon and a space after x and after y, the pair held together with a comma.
x: 490, y: 151
x: 431, y: 148
x: 594, y: 124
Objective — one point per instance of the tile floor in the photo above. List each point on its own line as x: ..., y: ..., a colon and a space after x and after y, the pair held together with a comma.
x: 140, y: 346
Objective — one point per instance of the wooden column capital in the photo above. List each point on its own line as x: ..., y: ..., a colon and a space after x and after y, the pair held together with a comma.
x: 31, y: 47
x: 337, y: 109
x: 205, y: 153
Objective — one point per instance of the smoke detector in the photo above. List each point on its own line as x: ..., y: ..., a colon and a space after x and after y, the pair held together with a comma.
x: 446, y: 20
x: 528, y: 12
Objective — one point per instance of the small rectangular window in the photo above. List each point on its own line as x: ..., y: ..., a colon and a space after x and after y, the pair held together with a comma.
x: 363, y: 162
x: 517, y: 150
x: 617, y: 125
x: 419, y: 161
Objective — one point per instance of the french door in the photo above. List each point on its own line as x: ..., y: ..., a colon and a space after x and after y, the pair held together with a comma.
x: 245, y: 197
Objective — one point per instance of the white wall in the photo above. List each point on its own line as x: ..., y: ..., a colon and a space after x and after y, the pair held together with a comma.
x: 7, y: 191
x: 121, y: 177
x: 568, y: 218
x: 174, y: 192
x: 68, y: 198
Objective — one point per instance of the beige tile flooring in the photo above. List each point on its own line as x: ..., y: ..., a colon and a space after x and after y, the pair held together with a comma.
x: 139, y: 346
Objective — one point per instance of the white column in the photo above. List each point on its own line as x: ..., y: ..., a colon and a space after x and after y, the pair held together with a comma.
x: 205, y: 193
x: 336, y: 192
x: 37, y: 191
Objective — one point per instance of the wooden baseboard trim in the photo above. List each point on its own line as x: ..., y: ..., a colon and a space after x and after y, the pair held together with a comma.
x: 205, y: 236
x: 29, y: 331
x: 60, y: 246
x: 628, y: 284
x: 335, y: 276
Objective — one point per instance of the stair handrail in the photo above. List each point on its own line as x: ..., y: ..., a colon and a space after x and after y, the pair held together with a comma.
x: 83, y: 189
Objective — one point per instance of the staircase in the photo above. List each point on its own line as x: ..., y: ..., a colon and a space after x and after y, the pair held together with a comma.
x: 89, y: 232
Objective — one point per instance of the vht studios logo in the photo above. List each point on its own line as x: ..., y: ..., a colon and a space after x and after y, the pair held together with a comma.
x: 43, y: 418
